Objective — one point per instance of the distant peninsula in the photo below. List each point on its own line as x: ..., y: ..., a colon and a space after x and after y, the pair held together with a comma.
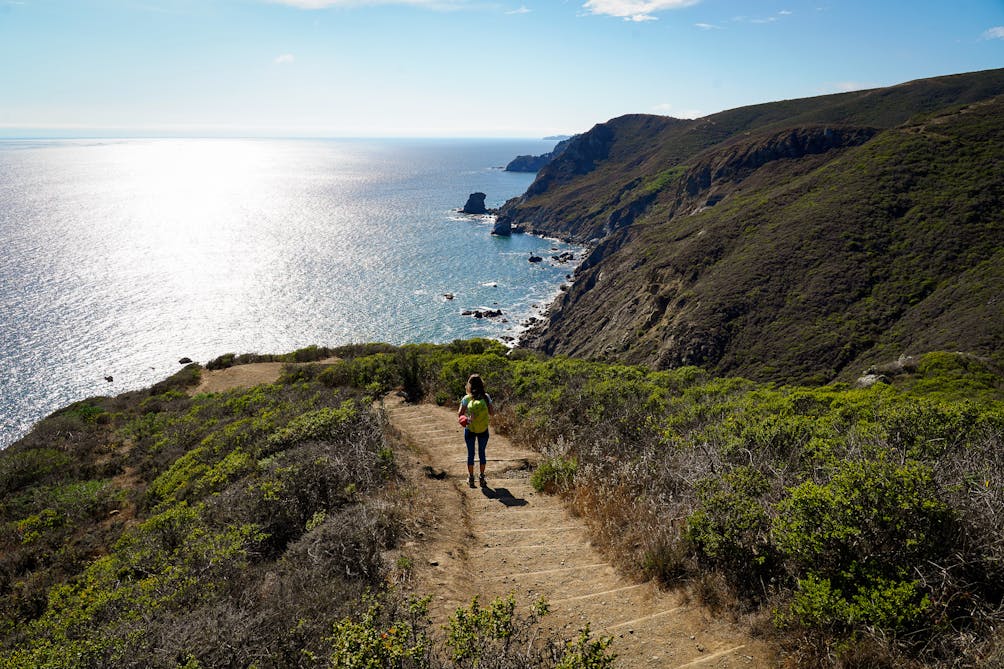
x: 536, y: 163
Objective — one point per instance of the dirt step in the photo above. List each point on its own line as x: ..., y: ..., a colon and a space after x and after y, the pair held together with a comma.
x: 517, y: 540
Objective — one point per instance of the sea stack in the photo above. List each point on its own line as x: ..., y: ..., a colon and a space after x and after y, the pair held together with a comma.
x: 475, y: 204
x: 502, y: 227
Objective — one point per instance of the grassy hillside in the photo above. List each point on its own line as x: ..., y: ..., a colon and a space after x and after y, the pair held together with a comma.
x: 795, y: 241
x: 853, y: 527
x: 251, y: 528
x: 154, y: 529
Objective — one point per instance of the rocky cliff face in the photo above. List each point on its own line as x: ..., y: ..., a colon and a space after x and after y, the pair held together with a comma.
x: 742, y: 157
x: 537, y: 163
x: 792, y: 251
x: 547, y: 207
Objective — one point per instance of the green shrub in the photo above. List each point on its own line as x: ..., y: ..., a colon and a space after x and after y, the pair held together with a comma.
x: 326, y: 424
x: 730, y: 528
x: 554, y: 475
x: 856, y: 542
x: 477, y: 346
x: 956, y: 376
x: 227, y: 496
x: 374, y: 642
x: 865, y: 518
x: 410, y: 371
x: 889, y: 605
x: 310, y: 353
x: 34, y: 526
x: 497, y: 636
x: 379, y: 370
x: 475, y: 631
x: 19, y: 467
x: 587, y: 653
x: 491, y: 365
x: 185, y: 378
x: 85, y: 411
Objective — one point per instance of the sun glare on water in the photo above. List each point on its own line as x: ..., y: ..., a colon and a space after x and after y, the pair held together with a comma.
x: 124, y: 256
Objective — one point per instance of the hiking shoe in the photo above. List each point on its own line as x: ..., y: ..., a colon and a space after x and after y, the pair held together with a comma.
x: 482, y: 481
x: 470, y: 480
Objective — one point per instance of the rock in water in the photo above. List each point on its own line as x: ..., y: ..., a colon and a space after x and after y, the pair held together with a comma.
x: 502, y: 228
x: 475, y: 204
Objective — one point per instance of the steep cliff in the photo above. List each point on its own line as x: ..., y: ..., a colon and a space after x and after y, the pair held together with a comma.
x: 536, y: 163
x: 795, y: 241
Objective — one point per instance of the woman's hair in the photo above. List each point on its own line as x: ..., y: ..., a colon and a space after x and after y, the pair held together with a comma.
x: 475, y: 386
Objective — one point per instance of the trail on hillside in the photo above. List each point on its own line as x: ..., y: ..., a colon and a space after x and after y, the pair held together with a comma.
x: 506, y: 538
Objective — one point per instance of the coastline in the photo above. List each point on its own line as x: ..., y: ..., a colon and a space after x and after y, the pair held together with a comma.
x: 540, y: 318
x: 524, y: 320
x: 309, y: 242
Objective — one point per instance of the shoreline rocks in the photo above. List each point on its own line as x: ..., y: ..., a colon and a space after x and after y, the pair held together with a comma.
x: 482, y: 313
x: 503, y: 228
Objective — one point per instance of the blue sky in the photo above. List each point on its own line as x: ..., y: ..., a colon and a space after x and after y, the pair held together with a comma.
x: 471, y: 68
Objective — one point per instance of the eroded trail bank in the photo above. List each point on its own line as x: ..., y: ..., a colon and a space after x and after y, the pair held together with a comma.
x: 506, y: 538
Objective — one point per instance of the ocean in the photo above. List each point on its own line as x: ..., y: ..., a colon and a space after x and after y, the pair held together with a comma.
x: 121, y: 257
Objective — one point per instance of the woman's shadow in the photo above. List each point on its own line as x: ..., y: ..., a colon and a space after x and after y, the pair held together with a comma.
x: 503, y: 496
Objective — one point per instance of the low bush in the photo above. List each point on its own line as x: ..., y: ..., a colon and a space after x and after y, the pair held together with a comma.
x: 391, y: 633
x: 187, y: 377
x: 554, y: 475
x: 302, y: 355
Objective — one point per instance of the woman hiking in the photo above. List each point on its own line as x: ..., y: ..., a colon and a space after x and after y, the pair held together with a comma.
x: 475, y: 411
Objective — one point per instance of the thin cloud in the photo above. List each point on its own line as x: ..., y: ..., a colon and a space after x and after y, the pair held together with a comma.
x: 635, y: 10
x: 760, y: 20
x: 521, y: 10
x: 707, y: 26
x: 997, y: 32
x: 284, y: 59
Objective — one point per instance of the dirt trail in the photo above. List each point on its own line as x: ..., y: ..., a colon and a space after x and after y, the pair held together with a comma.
x: 508, y: 538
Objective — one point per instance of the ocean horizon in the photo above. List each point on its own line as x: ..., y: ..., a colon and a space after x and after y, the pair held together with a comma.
x: 122, y: 256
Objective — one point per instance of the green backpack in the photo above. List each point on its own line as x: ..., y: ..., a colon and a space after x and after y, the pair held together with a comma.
x: 477, y: 410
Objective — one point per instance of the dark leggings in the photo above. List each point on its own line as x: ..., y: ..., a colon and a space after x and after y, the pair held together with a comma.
x: 482, y: 438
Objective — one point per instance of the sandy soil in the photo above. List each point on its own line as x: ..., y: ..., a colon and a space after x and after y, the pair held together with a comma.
x: 242, y: 376
x: 508, y: 538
